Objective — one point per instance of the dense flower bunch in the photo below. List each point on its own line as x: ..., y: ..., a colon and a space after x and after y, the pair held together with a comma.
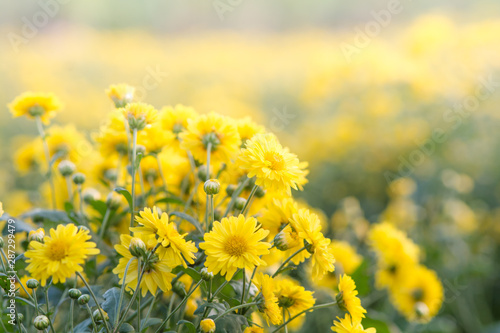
x: 175, y: 218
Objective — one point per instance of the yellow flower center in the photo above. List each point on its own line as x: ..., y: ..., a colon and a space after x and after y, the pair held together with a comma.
x: 57, y: 251
x: 235, y: 246
x: 275, y: 161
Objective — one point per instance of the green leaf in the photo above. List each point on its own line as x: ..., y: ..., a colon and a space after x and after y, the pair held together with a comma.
x: 219, y: 307
x: 68, y: 207
x: 193, y: 273
x: 126, y: 194
x: 188, y: 218
x: 187, y: 324
x: 99, y: 206
x: 362, y: 278
x: 150, y: 322
x: 171, y: 200
x: 47, y: 214
x: 379, y: 325
x: 84, y: 326
x: 138, y: 159
x: 126, y: 328
x: 110, y: 304
x: 231, y: 323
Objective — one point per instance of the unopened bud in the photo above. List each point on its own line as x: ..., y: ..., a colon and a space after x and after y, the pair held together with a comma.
x: 140, y: 149
x: 260, y: 192
x: 239, y: 203
x: 84, y: 299
x: 78, y: 178
x: 41, y: 322
x: 36, y: 235
x: 212, y: 187
x: 113, y: 200
x: 91, y: 194
x: 280, y: 241
x: 230, y: 189
x: 207, y: 325
x: 32, y: 283
x: 202, y: 172
x: 66, y: 168
x: 206, y: 275
x: 98, y: 316
x: 74, y: 293
x: 137, y: 247
x: 421, y: 309
x: 179, y: 288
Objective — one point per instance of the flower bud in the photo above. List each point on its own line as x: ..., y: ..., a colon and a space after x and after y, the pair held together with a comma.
x: 110, y: 174
x: 36, y: 235
x: 206, y: 275
x: 179, y: 288
x: 120, y: 94
x: 230, y: 189
x: 84, y: 228
x: 66, y: 168
x: 140, y: 149
x: 84, y: 299
x: 207, y: 325
x: 74, y: 293
x: 421, y: 309
x: 41, y: 322
x: 217, y: 214
x: 32, y: 283
x: 113, y: 200
x: 260, y: 192
x: 78, y: 178
x: 239, y: 203
x: 1, y: 242
x: 212, y: 187
x: 91, y: 194
x: 137, y: 247
x: 98, y: 316
x: 202, y: 172
x: 20, y: 317
x: 280, y: 241
x: 340, y: 301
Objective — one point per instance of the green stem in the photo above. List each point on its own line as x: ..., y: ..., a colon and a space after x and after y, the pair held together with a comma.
x: 138, y: 298
x: 48, y: 306
x: 95, y: 300
x: 250, y: 197
x: 179, y: 306
x: 105, y: 222
x: 91, y: 317
x: 47, y: 157
x: 209, y: 152
x: 123, y: 289
x: 321, y: 306
x: 35, y: 301
x: 139, y: 279
x: 284, y: 316
x: 243, y: 289
x: 134, y: 152
x: 286, y: 261
x: 70, y: 189
x: 234, y: 309
x: 150, y: 308
x: 235, y: 195
x: 71, y: 306
x: 160, y: 170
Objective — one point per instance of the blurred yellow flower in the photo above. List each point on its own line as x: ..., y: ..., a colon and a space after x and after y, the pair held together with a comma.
x: 32, y: 105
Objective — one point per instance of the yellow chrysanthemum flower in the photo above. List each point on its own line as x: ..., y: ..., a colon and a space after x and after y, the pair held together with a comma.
x: 253, y: 329
x: 215, y: 130
x: 233, y: 243
x: 347, y: 299
x: 120, y: 94
x: 269, y: 303
x: 26, y: 157
x: 345, y: 257
x: 175, y: 119
x: 386, y: 240
x: 157, y: 273
x: 247, y: 129
x: 293, y: 297
x: 207, y: 325
x: 175, y: 247
x: 139, y: 115
x: 1, y: 208
x: 420, y: 295
x: 61, y: 254
x: 34, y: 105
x: 274, y: 166
x: 278, y: 214
x: 308, y: 227
x: 348, y: 325
x: 155, y: 138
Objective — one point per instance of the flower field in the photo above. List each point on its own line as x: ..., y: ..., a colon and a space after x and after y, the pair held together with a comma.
x: 240, y: 183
